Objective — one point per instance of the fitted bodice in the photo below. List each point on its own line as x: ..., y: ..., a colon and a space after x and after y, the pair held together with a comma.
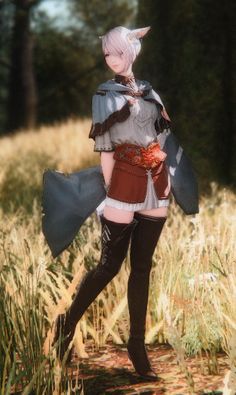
x: 138, y: 128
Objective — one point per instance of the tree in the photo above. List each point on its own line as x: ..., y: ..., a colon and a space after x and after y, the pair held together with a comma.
x: 66, y: 66
x: 69, y: 64
x: 6, y: 14
x: 190, y: 57
x: 22, y: 99
x: 66, y: 72
x: 97, y: 17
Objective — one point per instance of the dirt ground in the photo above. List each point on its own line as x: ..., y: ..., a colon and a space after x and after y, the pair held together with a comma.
x: 109, y: 371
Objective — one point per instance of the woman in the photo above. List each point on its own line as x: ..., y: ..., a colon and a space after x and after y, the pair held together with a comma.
x: 128, y: 118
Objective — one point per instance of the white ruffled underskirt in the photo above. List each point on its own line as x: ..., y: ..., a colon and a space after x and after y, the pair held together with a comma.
x: 151, y: 200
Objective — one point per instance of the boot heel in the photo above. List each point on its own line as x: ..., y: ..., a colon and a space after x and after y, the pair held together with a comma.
x: 115, y: 243
x: 140, y: 362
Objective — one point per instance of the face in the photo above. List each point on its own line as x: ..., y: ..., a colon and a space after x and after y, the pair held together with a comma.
x: 117, y: 63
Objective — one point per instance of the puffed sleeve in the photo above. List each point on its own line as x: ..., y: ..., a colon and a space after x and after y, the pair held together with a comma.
x: 108, y: 107
x: 103, y: 142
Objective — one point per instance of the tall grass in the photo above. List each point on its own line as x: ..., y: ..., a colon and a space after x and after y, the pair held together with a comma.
x: 192, y: 289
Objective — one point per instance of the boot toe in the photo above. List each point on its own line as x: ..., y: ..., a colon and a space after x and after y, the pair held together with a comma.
x: 150, y: 375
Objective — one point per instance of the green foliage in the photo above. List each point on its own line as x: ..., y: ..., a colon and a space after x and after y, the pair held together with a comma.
x: 64, y: 72
x: 189, y: 58
x: 69, y: 65
x: 97, y: 17
x: 201, y: 335
x: 24, y: 325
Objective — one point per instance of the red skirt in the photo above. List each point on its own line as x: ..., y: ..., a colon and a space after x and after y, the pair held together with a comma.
x: 129, y: 182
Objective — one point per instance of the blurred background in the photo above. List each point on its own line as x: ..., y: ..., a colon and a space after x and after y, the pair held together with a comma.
x: 51, y: 63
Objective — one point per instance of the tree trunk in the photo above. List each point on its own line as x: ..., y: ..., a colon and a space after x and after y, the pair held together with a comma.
x: 228, y: 139
x: 22, y: 98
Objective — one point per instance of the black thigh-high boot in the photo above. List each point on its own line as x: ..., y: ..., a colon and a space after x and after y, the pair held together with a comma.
x: 114, y: 245
x: 143, y: 242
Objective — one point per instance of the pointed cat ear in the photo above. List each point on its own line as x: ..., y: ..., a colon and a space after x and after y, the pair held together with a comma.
x: 138, y: 33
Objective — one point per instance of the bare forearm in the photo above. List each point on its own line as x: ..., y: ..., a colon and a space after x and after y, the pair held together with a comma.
x: 107, y: 163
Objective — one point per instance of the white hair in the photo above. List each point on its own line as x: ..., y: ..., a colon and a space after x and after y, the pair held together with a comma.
x: 119, y: 40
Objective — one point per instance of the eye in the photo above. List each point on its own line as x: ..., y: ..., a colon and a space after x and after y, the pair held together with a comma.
x: 106, y: 54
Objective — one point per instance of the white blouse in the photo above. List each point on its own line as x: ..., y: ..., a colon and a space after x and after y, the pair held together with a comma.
x: 138, y: 128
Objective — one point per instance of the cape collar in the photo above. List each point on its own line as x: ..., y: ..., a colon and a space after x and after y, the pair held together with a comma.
x: 124, y: 80
x: 115, y: 86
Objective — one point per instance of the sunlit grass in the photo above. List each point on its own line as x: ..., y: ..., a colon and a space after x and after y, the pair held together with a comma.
x: 192, y: 292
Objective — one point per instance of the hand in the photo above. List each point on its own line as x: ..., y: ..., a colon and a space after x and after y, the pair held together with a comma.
x: 106, y: 186
x: 132, y: 101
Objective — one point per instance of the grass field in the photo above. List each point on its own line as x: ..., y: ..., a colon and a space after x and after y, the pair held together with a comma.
x: 192, y: 303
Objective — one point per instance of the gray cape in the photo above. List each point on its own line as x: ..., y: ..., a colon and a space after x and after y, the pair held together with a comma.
x: 68, y: 200
x: 109, y: 105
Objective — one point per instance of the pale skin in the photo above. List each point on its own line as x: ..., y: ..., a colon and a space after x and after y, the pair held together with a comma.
x: 117, y: 64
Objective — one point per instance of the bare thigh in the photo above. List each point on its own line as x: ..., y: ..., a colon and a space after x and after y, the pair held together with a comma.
x: 118, y: 215
x: 155, y: 212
